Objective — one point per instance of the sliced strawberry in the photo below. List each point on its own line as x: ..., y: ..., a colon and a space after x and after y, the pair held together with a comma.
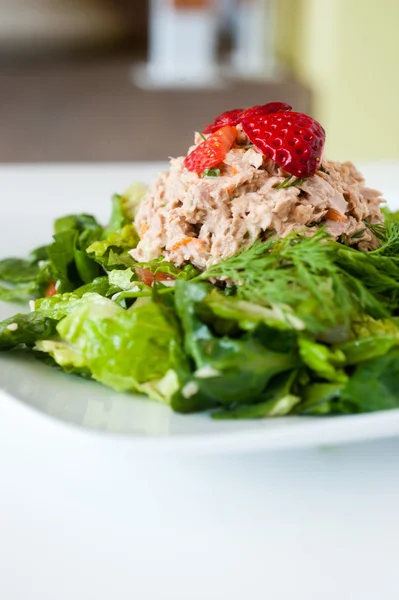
x: 266, y: 109
x: 293, y: 140
x: 148, y: 277
x: 233, y: 117
x: 212, y: 151
x: 230, y: 117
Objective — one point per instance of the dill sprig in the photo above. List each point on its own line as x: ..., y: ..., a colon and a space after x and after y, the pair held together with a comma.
x: 300, y: 271
x: 288, y: 182
x: 388, y: 234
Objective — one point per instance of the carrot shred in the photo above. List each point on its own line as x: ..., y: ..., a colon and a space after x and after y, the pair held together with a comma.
x: 334, y: 215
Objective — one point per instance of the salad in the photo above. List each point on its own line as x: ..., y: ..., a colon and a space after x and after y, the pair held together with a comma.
x: 253, y: 279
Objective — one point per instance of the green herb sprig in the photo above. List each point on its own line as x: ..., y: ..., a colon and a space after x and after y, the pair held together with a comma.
x: 306, y: 273
x: 211, y: 173
x: 288, y: 182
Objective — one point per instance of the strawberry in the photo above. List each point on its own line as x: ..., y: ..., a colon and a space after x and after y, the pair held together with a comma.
x: 293, y: 140
x: 266, y: 109
x: 212, y: 151
x: 230, y: 117
x: 233, y: 117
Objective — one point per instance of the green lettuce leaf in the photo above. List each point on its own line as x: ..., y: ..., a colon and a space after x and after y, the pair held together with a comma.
x: 118, y: 217
x: 124, y: 207
x: 228, y: 370
x: 160, y: 265
x: 374, y: 385
x: 18, y: 293
x: 370, y: 338
x: 70, y: 265
x: 131, y: 199
x: 113, y: 251
x: 249, y: 315
x: 122, y: 349
x: 16, y: 270
x: 323, y: 361
x: 323, y: 399
x: 24, y: 279
x: 25, y: 329
x: 278, y: 401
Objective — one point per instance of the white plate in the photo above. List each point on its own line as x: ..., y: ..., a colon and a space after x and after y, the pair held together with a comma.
x: 31, y: 197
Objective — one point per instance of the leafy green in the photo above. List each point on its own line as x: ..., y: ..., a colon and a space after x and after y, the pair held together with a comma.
x: 18, y: 293
x: 122, y: 349
x: 248, y: 315
x: 25, y: 329
x: 64, y: 261
x: 113, y: 251
x: 24, y: 279
x: 16, y: 270
x: 240, y: 368
x: 370, y: 338
x: 131, y: 199
x: 124, y: 207
x: 118, y: 216
x: 322, y: 399
x: 160, y: 265
x: 375, y: 384
x: 376, y: 274
x: 323, y: 361
x: 277, y: 402
x: 296, y: 272
x: 70, y: 264
x: 300, y: 325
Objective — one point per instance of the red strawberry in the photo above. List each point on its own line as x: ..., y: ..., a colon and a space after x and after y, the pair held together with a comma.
x: 266, y: 109
x: 212, y: 151
x: 293, y: 140
x: 233, y: 117
x: 230, y: 117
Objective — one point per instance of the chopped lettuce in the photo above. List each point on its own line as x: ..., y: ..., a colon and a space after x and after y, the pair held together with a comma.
x: 240, y: 368
x: 26, y: 329
x: 113, y: 251
x: 374, y: 385
x: 16, y: 270
x: 121, y: 348
x: 160, y: 265
x: 124, y: 207
x: 301, y: 325
x: 278, y: 400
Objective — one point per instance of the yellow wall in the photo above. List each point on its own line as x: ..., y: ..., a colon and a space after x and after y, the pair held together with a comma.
x: 347, y: 51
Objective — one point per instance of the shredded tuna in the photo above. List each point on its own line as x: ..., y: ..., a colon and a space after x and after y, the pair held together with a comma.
x: 185, y: 217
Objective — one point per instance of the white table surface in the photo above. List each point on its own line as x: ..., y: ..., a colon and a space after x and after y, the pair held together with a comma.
x: 83, y: 518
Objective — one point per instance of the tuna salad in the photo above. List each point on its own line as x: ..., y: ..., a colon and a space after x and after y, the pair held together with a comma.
x: 255, y: 278
x: 203, y: 219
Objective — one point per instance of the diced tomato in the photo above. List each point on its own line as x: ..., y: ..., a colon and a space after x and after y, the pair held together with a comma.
x: 51, y: 290
x: 147, y: 277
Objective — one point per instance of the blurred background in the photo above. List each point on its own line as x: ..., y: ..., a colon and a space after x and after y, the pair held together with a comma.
x: 122, y: 80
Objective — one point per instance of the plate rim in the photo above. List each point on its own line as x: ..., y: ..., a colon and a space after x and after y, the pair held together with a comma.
x: 329, y: 432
